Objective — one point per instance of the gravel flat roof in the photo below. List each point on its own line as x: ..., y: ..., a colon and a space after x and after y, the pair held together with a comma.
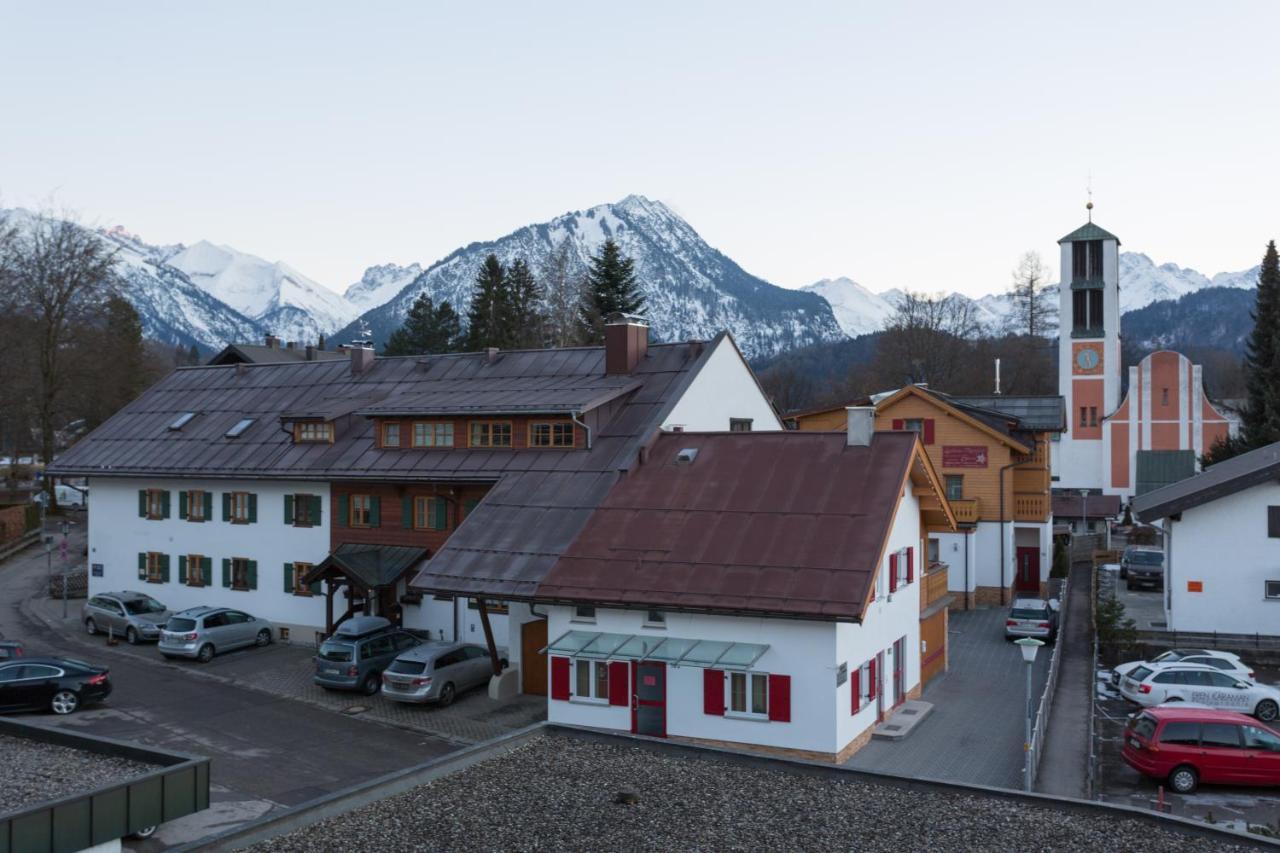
x: 36, y: 772
x: 556, y: 793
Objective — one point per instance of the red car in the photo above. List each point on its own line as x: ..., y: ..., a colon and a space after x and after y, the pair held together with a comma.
x: 1188, y: 746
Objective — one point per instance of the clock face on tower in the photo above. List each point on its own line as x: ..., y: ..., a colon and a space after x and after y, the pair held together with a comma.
x: 1087, y: 358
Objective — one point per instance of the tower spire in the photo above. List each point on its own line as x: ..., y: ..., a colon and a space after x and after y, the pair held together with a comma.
x: 1089, y: 189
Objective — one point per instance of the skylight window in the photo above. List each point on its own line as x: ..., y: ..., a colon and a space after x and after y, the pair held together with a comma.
x: 183, y: 420
x: 241, y: 425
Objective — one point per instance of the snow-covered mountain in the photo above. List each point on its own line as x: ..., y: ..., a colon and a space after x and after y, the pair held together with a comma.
x: 692, y: 290
x: 857, y: 310
x: 284, y: 301
x: 379, y: 284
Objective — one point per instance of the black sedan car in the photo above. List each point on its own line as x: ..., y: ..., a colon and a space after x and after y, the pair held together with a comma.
x: 59, y: 684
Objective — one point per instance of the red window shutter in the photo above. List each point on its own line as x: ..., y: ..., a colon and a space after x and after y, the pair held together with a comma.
x: 560, y: 678
x: 911, y: 567
x: 619, y: 689
x: 893, y: 573
x: 780, y: 698
x: 928, y: 431
x: 899, y: 424
x: 871, y: 679
x: 855, y: 687
x: 713, y: 692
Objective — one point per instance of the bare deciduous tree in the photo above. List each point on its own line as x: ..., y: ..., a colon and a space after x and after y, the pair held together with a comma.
x: 1034, y: 312
x: 562, y: 292
x: 927, y: 339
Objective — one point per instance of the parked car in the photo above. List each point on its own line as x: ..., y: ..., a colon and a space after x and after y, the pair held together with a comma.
x: 1142, y: 566
x: 1032, y: 617
x: 438, y: 671
x: 1228, y: 662
x: 10, y: 649
x: 135, y: 616
x: 59, y: 684
x: 202, y: 632
x: 1188, y: 746
x: 357, y: 653
x: 1154, y: 684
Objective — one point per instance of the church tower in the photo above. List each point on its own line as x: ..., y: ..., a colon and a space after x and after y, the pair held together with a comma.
x: 1088, y: 351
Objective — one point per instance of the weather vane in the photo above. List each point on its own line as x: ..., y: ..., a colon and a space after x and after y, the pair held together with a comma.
x: 1089, y: 189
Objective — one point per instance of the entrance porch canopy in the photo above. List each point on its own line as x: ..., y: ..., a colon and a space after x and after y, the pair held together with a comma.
x: 366, y: 570
x: 706, y: 654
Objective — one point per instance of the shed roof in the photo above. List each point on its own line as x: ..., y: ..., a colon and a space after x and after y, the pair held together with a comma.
x: 260, y: 354
x: 1217, y: 481
x: 372, y: 565
x: 1095, y: 506
x: 784, y: 523
x: 1037, y: 413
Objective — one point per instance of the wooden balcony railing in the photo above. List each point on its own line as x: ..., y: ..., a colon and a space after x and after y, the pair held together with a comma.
x: 935, y: 585
x: 1030, y: 507
x: 966, y: 510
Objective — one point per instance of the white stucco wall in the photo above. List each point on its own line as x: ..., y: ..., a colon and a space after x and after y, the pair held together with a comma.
x: 723, y: 389
x: 953, y: 548
x: 1224, y: 545
x: 117, y: 535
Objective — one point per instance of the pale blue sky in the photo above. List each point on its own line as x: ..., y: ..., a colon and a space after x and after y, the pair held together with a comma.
x: 922, y: 145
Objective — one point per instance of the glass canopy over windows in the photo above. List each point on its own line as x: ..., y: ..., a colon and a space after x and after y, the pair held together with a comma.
x: 708, y: 654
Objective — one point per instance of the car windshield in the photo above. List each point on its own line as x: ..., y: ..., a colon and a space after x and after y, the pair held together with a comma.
x: 1027, y: 613
x: 1143, y: 725
x: 178, y: 624
x: 1146, y: 558
x: 335, y: 651
x: 139, y: 606
x: 408, y: 667
x: 1140, y: 673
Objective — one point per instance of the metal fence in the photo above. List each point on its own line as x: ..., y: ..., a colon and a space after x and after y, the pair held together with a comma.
x: 1040, y: 726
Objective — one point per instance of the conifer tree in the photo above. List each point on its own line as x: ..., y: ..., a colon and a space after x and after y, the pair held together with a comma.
x: 527, y: 319
x: 489, y: 317
x: 1262, y: 357
x: 611, y: 288
x: 426, y: 329
x: 320, y: 342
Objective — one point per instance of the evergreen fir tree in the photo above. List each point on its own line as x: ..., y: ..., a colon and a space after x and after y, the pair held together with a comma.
x: 526, y: 330
x: 193, y: 355
x: 489, y: 317
x: 427, y: 329
x: 320, y: 342
x: 1262, y: 358
x: 611, y: 288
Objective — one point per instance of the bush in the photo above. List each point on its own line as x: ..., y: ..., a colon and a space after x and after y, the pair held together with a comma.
x: 1117, y: 633
x: 1061, y: 561
x: 1127, y: 521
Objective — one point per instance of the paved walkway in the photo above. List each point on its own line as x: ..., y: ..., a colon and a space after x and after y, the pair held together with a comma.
x: 975, y: 733
x: 1064, y: 766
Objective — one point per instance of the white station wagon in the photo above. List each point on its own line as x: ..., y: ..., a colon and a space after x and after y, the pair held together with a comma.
x: 1228, y: 662
x: 1155, y: 684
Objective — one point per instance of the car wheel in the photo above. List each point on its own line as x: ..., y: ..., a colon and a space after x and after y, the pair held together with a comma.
x: 90, y: 627
x: 1267, y: 710
x: 1173, y: 699
x: 446, y: 695
x: 131, y: 635
x: 1184, y: 779
x: 145, y: 832
x: 264, y: 637
x: 64, y: 702
x: 371, y: 685
x: 205, y: 654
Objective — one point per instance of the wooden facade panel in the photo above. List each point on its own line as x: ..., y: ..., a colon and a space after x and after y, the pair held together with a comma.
x: 933, y: 646
x: 462, y: 430
x: 391, y: 529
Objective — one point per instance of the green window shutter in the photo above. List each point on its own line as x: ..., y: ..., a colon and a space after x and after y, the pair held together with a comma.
x: 441, y: 507
x: 375, y: 511
x: 288, y: 577
x: 253, y: 574
x: 253, y: 507
x: 315, y: 588
x: 406, y: 513
x: 182, y: 568
x: 470, y: 506
x: 182, y: 504
x: 315, y: 511
x: 142, y: 567
x: 226, y: 571
x: 164, y: 504
x: 343, y: 516
x: 208, y: 506
x: 206, y: 571
x: 226, y: 506
x: 142, y: 503
x: 164, y: 567
x: 288, y: 509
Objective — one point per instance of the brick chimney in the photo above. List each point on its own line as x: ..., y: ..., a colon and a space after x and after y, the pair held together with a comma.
x: 273, y: 342
x: 361, y: 359
x: 626, y: 340
x: 311, y: 353
x: 291, y: 345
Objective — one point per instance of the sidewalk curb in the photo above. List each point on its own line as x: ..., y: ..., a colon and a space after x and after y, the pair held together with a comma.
x: 30, y: 612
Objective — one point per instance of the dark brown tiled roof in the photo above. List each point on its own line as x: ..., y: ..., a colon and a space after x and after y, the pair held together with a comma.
x: 1068, y: 505
x: 785, y: 523
x: 260, y: 354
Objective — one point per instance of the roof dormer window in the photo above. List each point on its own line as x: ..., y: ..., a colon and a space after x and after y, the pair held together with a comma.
x: 313, y: 432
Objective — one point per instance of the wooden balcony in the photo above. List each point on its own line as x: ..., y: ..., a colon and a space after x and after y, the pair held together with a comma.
x: 935, y: 585
x: 966, y: 510
x: 1030, y: 507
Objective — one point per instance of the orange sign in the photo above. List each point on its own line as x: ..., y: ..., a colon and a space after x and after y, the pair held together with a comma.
x: 1195, y: 586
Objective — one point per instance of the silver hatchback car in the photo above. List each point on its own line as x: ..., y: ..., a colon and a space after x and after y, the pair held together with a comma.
x: 437, y: 672
x: 1032, y: 617
x: 202, y: 632
x: 135, y: 616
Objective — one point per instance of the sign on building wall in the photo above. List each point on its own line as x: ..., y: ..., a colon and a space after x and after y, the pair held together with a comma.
x: 964, y: 456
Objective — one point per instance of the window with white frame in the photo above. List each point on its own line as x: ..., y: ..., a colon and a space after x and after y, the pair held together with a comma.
x: 902, y: 568
x: 655, y: 619
x: 865, y: 687
x: 584, y: 614
x: 748, y: 694
x: 591, y: 680
x: 935, y: 551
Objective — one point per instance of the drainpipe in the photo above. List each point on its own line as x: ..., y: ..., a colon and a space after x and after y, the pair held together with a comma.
x: 1004, y: 587
x: 573, y: 416
x: 966, y: 571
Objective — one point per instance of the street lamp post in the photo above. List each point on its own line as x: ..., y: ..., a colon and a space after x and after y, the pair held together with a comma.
x: 1028, y: 646
x: 1084, y: 494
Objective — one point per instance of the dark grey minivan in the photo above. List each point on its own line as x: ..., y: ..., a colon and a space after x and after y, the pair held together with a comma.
x: 357, y: 653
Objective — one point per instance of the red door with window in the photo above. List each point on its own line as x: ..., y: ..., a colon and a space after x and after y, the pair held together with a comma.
x: 649, y: 701
x: 1028, y: 577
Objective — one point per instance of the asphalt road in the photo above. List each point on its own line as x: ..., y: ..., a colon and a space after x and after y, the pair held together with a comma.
x: 267, y: 752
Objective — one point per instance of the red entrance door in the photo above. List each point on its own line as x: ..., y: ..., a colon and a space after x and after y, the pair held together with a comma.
x: 1028, y: 578
x: 649, y: 702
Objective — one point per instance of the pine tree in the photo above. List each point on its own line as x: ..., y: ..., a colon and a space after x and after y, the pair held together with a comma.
x: 611, y: 288
x: 427, y: 329
x: 320, y: 342
x: 489, y: 317
x: 527, y: 321
x: 1262, y: 358
x: 193, y: 355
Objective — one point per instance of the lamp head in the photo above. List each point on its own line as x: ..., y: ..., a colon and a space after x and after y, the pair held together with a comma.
x: 1029, y: 647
